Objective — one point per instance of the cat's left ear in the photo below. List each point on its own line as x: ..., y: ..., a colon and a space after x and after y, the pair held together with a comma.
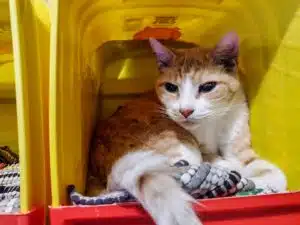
x: 226, y: 52
x: 164, y: 56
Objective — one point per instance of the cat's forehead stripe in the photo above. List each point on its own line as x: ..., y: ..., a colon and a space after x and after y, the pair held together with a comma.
x: 187, y: 63
x: 191, y: 63
x: 196, y: 75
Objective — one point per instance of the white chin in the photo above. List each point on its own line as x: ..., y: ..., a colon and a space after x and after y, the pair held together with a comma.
x: 188, y: 124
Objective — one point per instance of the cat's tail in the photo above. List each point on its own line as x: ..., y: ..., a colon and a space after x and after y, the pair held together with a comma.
x: 148, y: 177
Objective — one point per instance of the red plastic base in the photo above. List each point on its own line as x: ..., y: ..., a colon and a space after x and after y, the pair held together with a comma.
x: 34, y: 217
x: 277, y: 209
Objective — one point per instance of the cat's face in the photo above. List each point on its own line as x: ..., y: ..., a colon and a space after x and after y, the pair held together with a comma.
x: 196, y: 84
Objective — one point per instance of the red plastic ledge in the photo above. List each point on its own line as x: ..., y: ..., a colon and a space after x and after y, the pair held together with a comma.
x: 33, y: 217
x: 275, y: 209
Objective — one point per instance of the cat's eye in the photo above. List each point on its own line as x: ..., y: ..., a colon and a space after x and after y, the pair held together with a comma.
x: 171, y: 87
x: 207, y: 87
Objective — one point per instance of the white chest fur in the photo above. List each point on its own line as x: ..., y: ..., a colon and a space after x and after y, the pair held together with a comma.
x: 220, y: 133
x: 207, y: 134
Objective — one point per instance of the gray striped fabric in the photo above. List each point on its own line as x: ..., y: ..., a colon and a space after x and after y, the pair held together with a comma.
x: 10, y: 189
x: 200, y: 181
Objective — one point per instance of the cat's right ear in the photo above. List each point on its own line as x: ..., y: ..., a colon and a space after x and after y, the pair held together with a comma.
x: 226, y: 52
x: 164, y: 56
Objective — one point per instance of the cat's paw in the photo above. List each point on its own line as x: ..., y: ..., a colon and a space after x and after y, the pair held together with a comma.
x: 247, y: 187
x: 230, y: 164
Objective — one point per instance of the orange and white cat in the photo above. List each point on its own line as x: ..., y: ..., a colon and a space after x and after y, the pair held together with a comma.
x: 204, y: 95
x: 198, y: 100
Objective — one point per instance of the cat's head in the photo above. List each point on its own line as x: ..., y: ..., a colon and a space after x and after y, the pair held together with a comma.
x: 197, y: 83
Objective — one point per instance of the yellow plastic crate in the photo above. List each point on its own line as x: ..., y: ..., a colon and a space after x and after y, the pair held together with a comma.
x: 24, y: 66
x: 80, y: 70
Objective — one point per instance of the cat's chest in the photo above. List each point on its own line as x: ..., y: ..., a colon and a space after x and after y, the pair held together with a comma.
x: 220, y: 133
x: 208, y: 134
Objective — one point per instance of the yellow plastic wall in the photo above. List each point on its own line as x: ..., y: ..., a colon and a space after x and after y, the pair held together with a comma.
x: 30, y: 27
x: 269, y: 32
x: 6, y: 57
x: 8, y: 128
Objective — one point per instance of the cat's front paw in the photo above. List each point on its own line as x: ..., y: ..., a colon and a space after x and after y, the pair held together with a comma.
x: 227, y: 164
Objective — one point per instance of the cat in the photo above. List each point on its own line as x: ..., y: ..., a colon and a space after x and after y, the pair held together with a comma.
x: 135, y: 149
x: 197, y: 113
x: 201, y: 91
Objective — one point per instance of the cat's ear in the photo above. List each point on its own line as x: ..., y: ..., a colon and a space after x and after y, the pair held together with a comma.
x: 164, y: 56
x: 226, y: 52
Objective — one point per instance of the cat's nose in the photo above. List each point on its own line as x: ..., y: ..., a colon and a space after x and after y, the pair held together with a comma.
x: 186, y: 112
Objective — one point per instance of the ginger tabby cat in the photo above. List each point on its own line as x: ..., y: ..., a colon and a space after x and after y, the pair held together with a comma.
x: 198, y: 99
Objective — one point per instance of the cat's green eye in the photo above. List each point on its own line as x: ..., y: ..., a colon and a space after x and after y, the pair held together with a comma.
x: 207, y: 87
x: 171, y: 87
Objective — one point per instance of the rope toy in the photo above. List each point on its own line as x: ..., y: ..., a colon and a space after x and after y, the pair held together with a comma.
x: 9, y: 181
x: 200, y: 181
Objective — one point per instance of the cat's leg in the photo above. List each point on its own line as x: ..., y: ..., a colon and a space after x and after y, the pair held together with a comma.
x: 230, y: 163
x: 265, y: 175
x: 235, y: 148
x: 262, y: 173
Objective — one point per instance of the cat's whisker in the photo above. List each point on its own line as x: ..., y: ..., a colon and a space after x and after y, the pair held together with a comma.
x: 217, y: 112
x: 208, y: 115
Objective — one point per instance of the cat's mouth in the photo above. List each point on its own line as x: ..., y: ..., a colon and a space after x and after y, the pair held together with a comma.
x: 188, y: 123
x: 185, y: 122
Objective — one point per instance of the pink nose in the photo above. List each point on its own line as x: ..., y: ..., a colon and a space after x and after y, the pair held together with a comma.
x: 186, y: 112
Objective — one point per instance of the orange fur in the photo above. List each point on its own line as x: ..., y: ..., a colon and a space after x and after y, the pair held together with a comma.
x: 139, y: 124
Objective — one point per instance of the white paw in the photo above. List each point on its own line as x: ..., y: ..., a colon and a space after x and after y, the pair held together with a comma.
x: 228, y: 164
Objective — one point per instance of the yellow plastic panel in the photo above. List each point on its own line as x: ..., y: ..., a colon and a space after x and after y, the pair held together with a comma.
x: 7, y: 90
x: 7, y: 83
x: 276, y: 109
x: 30, y: 37
x: 78, y: 70
x: 8, y: 128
